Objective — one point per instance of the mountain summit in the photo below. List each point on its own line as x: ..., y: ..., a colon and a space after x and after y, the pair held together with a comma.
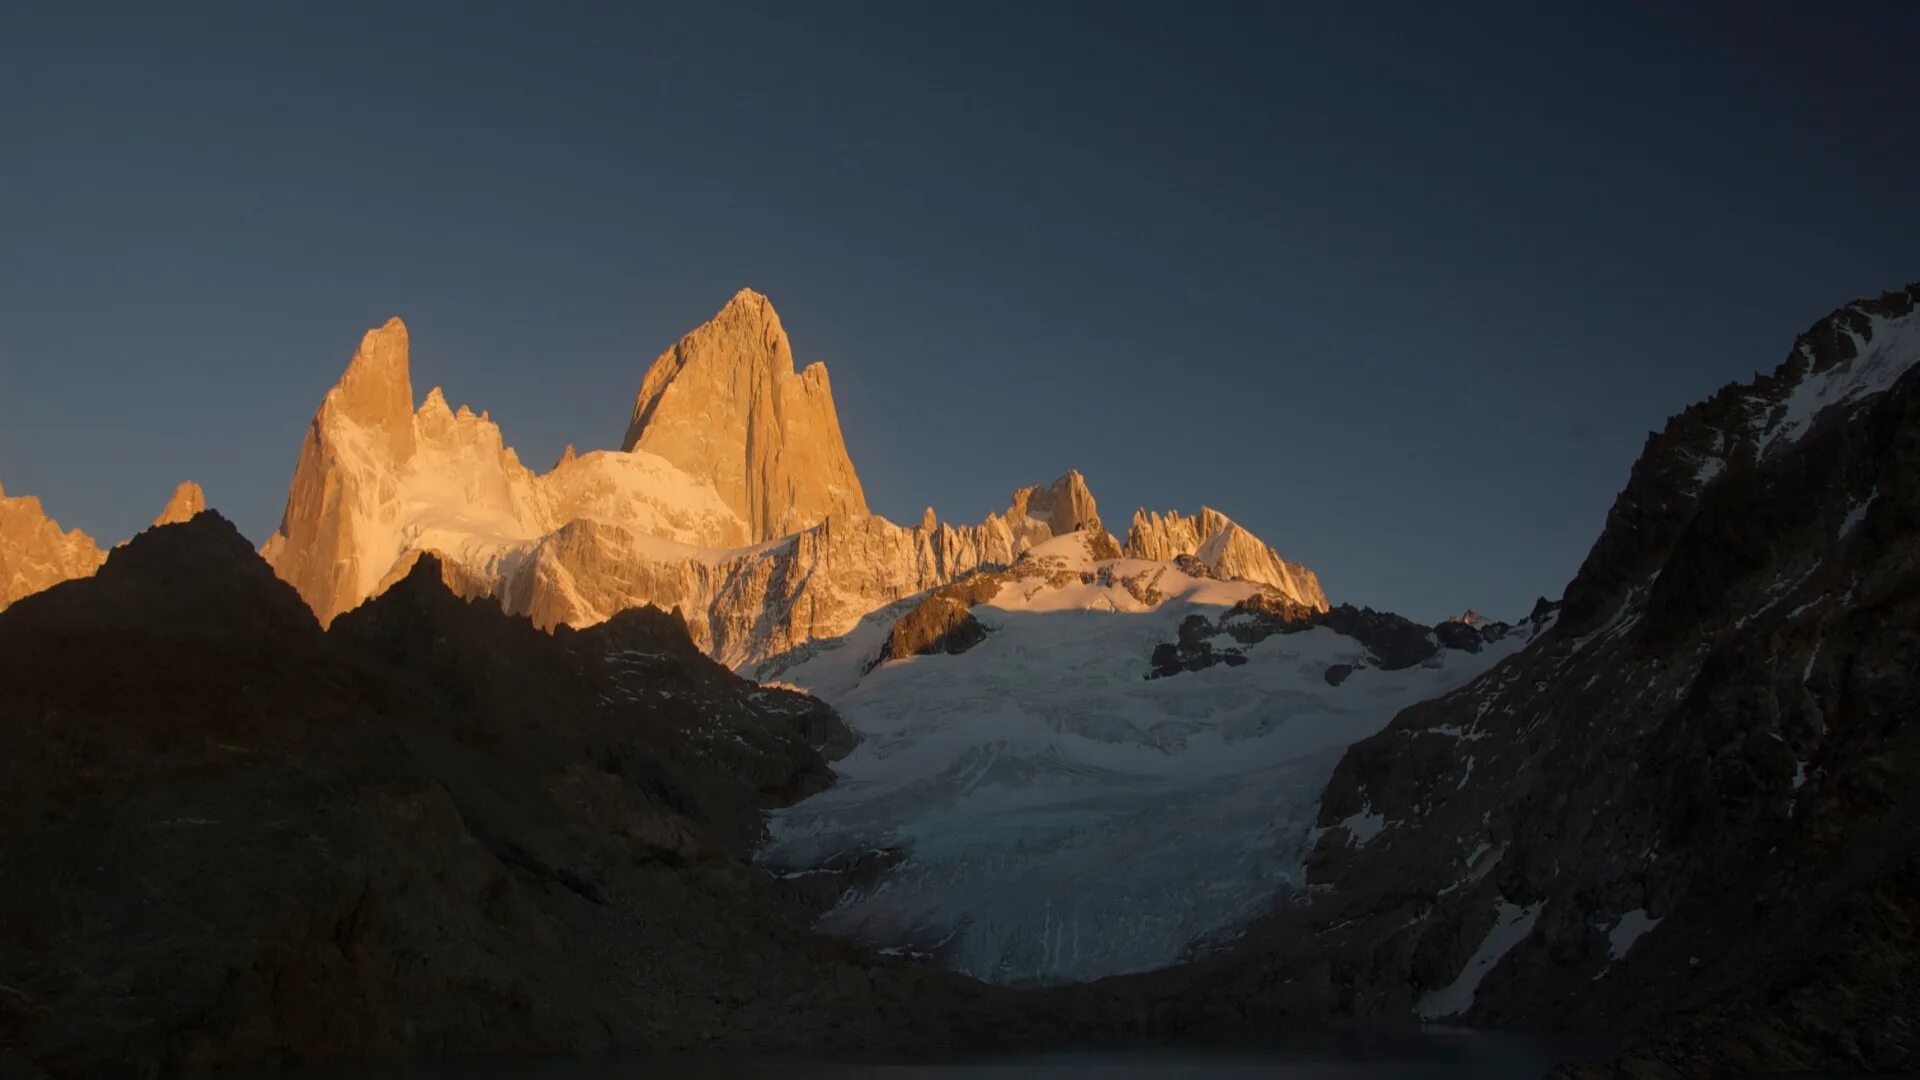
x: 725, y: 405
x: 35, y: 552
x: 187, y: 501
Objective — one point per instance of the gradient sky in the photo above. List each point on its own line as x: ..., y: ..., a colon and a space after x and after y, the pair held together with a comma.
x: 1400, y: 289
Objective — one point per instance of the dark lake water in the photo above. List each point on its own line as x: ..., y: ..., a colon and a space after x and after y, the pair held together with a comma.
x: 1460, y: 1055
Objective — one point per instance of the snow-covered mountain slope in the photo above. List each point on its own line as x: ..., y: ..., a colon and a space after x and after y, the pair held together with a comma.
x: 35, y: 552
x: 379, y: 482
x: 1058, y: 815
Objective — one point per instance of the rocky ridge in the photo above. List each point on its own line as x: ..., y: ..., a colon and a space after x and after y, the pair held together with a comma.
x: 36, y: 553
x: 1680, y: 810
x: 681, y: 519
x: 1224, y: 548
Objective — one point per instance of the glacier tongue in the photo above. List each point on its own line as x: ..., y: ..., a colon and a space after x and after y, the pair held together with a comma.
x: 1061, y: 816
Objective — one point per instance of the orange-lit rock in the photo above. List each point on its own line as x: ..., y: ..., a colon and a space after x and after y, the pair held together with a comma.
x: 725, y: 405
x: 187, y: 501
x: 36, y: 553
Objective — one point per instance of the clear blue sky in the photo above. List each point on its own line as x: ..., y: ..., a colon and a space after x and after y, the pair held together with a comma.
x: 1401, y: 288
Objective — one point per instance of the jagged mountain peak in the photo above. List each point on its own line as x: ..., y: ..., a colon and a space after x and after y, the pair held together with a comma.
x: 725, y: 405
x: 35, y: 552
x: 1064, y: 506
x: 1223, y: 546
x: 376, y: 390
x: 377, y: 482
x: 187, y: 500
x: 752, y: 302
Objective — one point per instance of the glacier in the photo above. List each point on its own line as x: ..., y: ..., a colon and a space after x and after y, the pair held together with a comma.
x: 1057, y: 815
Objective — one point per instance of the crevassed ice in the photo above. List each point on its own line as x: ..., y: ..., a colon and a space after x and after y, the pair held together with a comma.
x: 1065, y: 818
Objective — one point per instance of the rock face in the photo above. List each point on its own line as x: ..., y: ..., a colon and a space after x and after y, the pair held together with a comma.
x: 687, y: 527
x: 1037, y: 514
x: 1224, y: 548
x: 725, y: 405
x: 187, y: 501
x: 378, y: 482
x: 430, y: 829
x: 36, y: 553
x: 1686, y: 807
x: 1392, y: 642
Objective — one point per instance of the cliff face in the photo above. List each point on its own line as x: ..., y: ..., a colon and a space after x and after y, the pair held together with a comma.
x: 36, y: 553
x: 1683, y: 808
x: 725, y: 405
x: 327, y: 546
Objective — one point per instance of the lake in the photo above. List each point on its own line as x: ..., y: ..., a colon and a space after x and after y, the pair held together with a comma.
x: 1443, y: 1055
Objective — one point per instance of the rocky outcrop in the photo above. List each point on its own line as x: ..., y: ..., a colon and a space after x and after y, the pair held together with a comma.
x: 1392, y: 642
x: 1685, y: 807
x: 725, y: 406
x: 187, y: 500
x: 1038, y: 514
x: 1192, y: 651
x: 431, y: 829
x: 35, y: 552
x: 1228, y: 552
x: 939, y: 624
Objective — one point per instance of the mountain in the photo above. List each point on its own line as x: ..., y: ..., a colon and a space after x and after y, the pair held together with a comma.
x: 1083, y: 715
x: 723, y: 431
x: 1224, y: 548
x: 187, y: 501
x: 724, y: 404
x: 1685, y: 808
x: 378, y: 482
x: 430, y: 829
x: 36, y: 553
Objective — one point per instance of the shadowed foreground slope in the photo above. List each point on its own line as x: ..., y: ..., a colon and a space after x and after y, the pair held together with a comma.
x: 431, y: 830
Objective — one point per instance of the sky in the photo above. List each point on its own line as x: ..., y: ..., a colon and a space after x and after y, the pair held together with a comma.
x: 1400, y: 288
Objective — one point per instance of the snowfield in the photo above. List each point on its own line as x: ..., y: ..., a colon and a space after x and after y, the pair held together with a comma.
x: 1061, y: 816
